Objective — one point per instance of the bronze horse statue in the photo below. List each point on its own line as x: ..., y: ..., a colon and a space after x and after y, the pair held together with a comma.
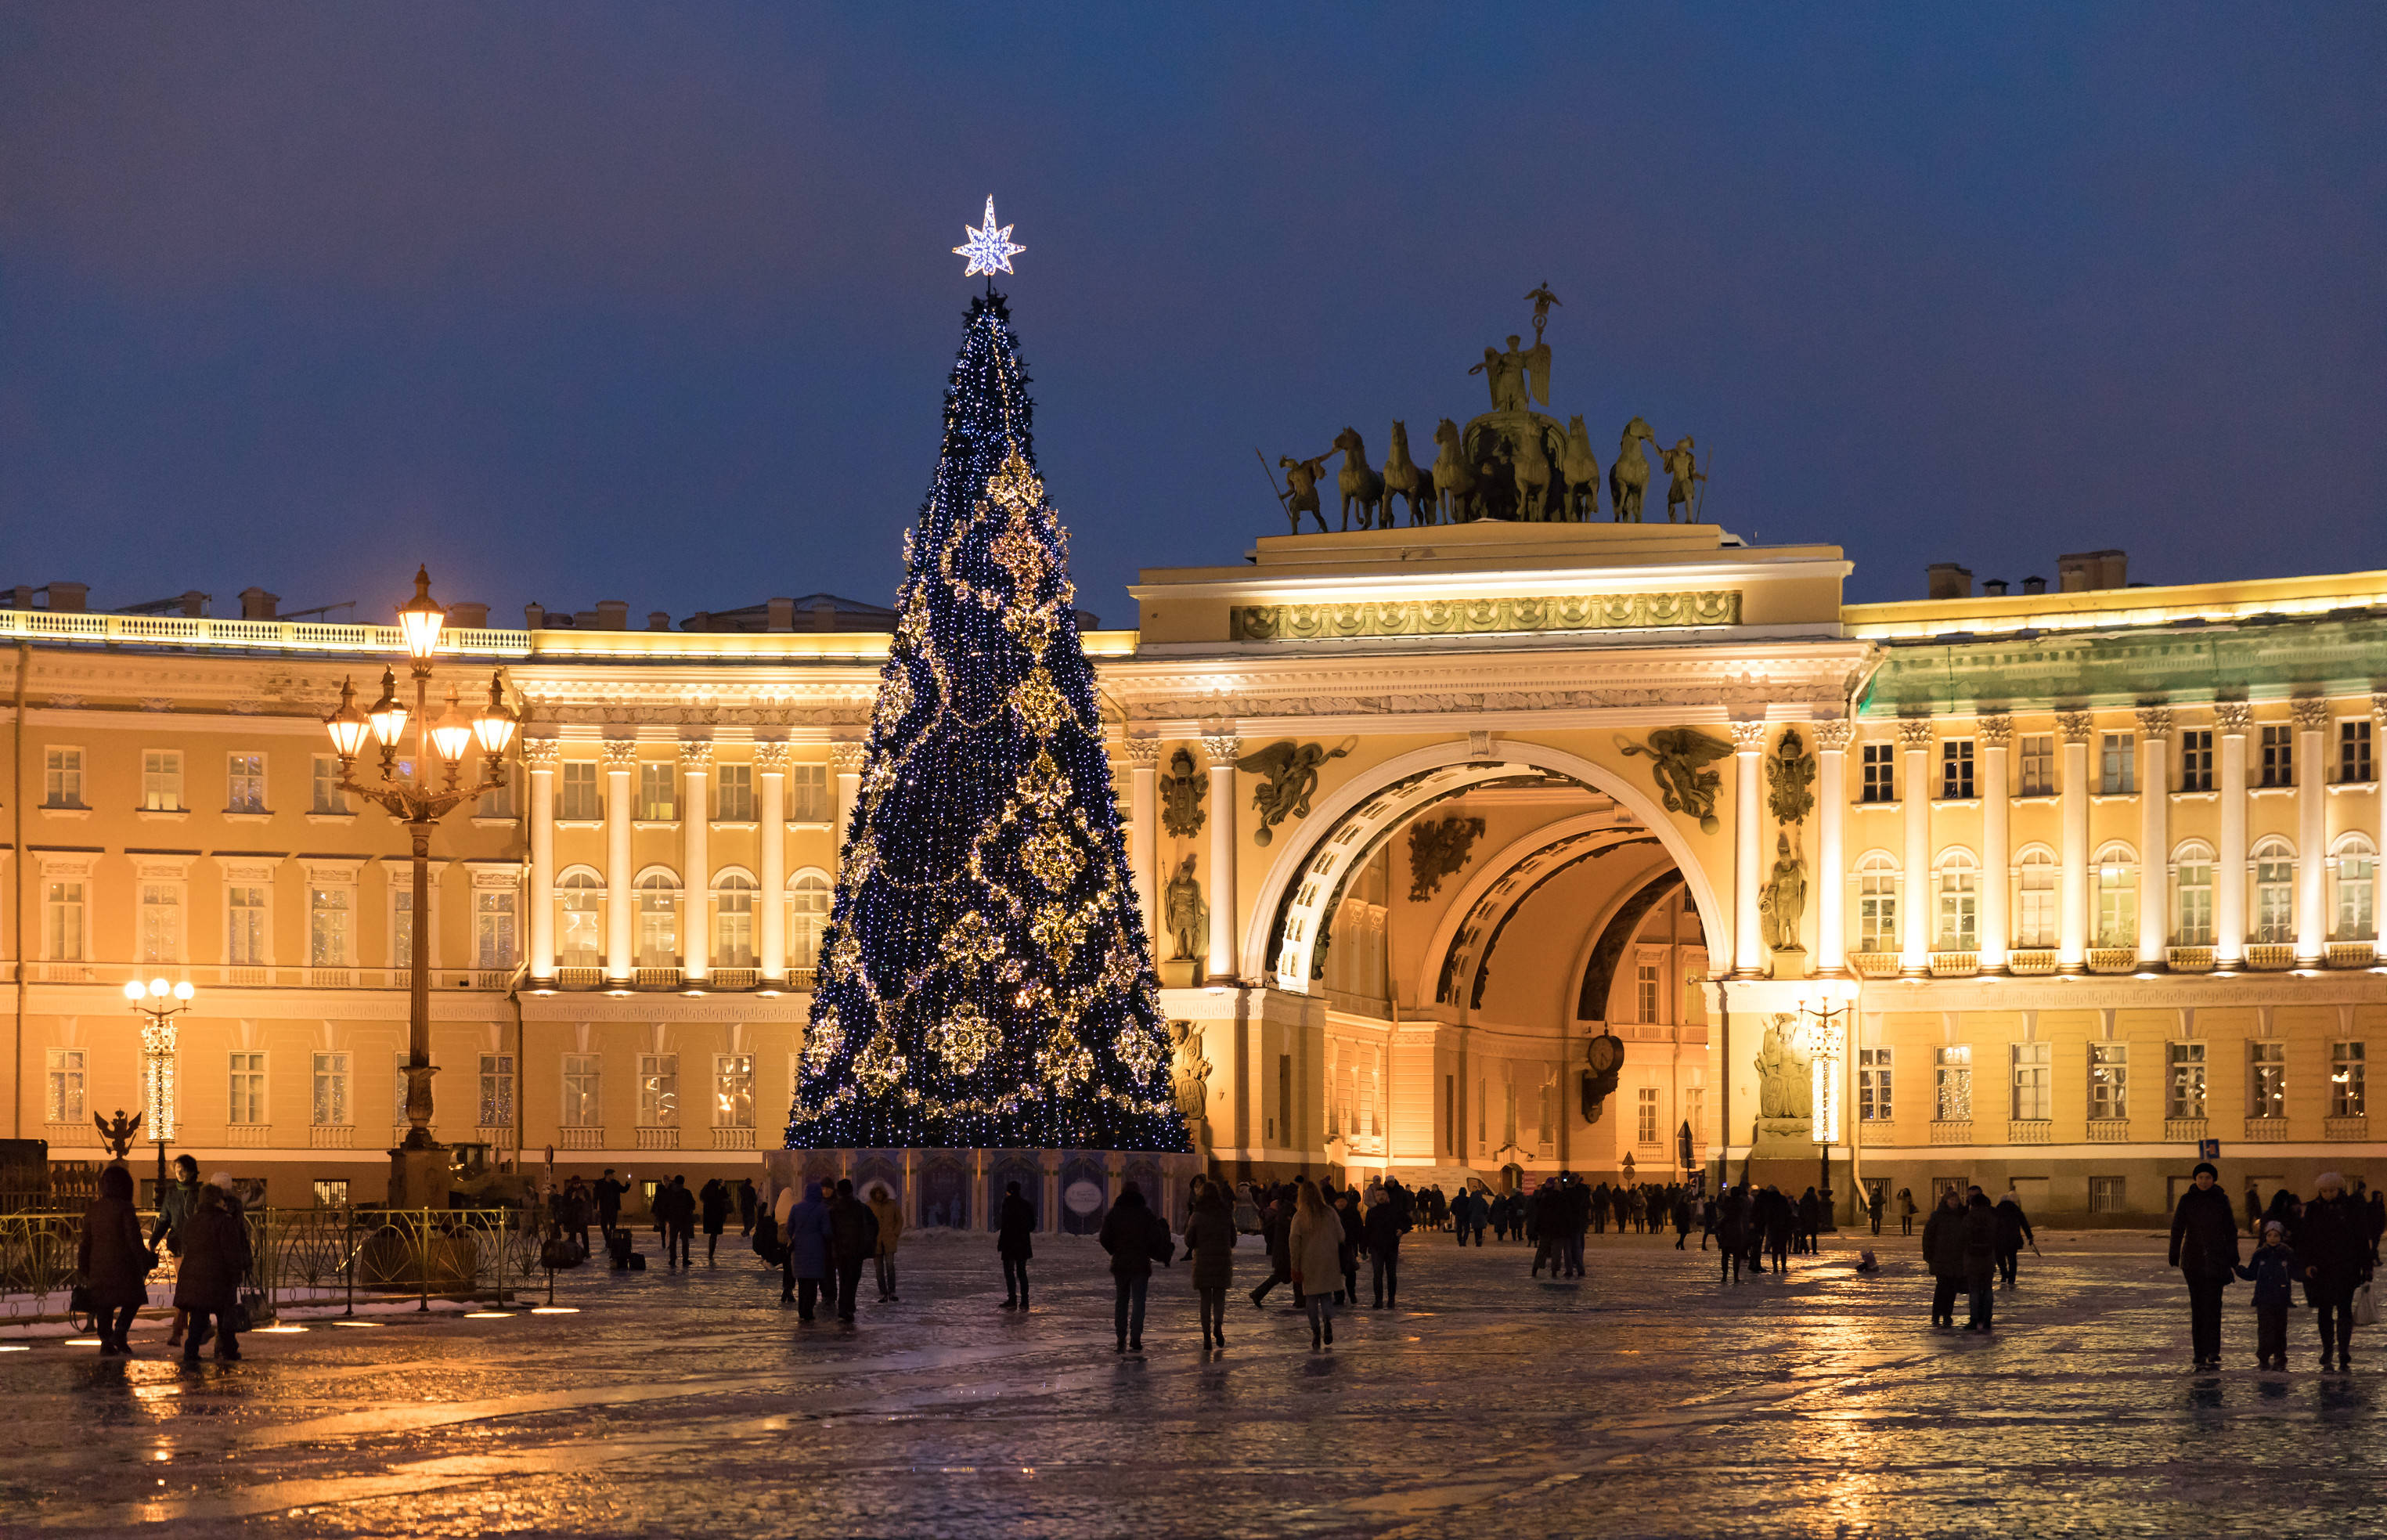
x: 1358, y: 481
x: 1403, y: 479
x: 1579, y: 474
x: 1629, y: 477
x: 1530, y: 465
x: 1454, y: 477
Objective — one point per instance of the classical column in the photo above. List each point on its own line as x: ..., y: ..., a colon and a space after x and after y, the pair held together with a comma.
x: 1995, y: 730
x: 1748, y: 850
x: 539, y: 757
x: 2155, y: 834
x: 2378, y: 814
x: 1143, y: 826
x: 621, y: 769
x: 771, y: 769
x: 1223, y: 751
x: 845, y: 765
x: 696, y: 881
x: 2312, y: 829
x: 2229, y: 718
x: 1831, y: 855
x: 2072, y: 908
x: 1914, y: 739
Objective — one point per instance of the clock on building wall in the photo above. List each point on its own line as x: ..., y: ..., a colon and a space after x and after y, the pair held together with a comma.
x: 1603, y: 1057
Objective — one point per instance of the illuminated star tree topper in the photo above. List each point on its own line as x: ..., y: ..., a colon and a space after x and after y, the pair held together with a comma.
x: 989, y: 250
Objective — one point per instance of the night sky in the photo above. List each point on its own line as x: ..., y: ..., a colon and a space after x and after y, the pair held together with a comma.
x: 654, y: 303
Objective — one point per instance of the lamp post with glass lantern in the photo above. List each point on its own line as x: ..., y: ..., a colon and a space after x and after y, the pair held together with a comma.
x: 160, y: 1003
x: 418, y: 1168
x: 1826, y: 1053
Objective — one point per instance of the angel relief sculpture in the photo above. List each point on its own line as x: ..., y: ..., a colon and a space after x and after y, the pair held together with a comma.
x: 1291, y: 776
x: 1681, y: 757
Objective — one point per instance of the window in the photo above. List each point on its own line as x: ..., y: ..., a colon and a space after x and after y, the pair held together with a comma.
x: 62, y: 777
x: 808, y: 897
x: 658, y: 1090
x: 2105, y: 1195
x: 247, y: 1102
x: 2358, y: 891
x: 2266, y: 1080
x: 1959, y: 903
x: 1645, y: 1127
x: 161, y: 922
x: 1876, y: 904
x: 1645, y: 992
x: 2109, y: 1079
x: 1695, y: 1112
x: 332, y: 1090
x: 733, y: 1091
x: 161, y: 781
x: 657, y: 792
x: 737, y: 798
x: 575, y: 793
x: 2038, y: 765
x: 2279, y: 765
x: 2275, y: 892
x: 1956, y: 767
x: 245, y: 783
x: 2184, y: 1087
x: 327, y: 927
x: 2035, y: 913
x: 497, y: 801
x: 2117, y: 756
x: 493, y: 928
x: 2196, y: 760
x: 62, y: 921
x: 245, y: 926
x: 1880, y: 783
x: 1951, y: 1070
x: 1873, y: 1085
x: 2118, y: 898
x: 2354, y: 751
x: 734, y: 921
x: 658, y: 921
x: 2348, y: 1096
x: 2192, y: 897
x: 331, y: 1191
x: 2033, y: 1082
x: 323, y: 793
x: 497, y: 1108
x: 808, y: 794
x: 580, y: 1107
x: 401, y: 928
x: 62, y: 1100
x: 582, y: 944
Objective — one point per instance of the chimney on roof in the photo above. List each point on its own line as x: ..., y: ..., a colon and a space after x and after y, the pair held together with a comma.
x: 468, y: 616
x: 612, y: 614
x: 534, y: 616
x: 779, y: 614
x: 19, y: 598
x: 823, y: 615
x: 193, y: 602
x: 255, y: 603
x: 2084, y: 571
x: 72, y: 598
x: 1947, y: 580
x: 658, y: 620
x: 2034, y: 585
x: 1993, y: 588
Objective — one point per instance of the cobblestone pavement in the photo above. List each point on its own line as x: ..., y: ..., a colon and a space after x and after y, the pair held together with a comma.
x: 1648, y: 1400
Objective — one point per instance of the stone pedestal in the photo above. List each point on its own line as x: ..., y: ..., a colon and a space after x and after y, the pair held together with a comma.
x: 1181, y: 973
x: 419, y: 1179
x: 1788, y: 964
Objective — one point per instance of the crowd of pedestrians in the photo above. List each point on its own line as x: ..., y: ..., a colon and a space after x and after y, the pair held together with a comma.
x: 2329, y: 1244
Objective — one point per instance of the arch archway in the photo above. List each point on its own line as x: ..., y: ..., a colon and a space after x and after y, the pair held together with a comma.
x: 1299, y: 893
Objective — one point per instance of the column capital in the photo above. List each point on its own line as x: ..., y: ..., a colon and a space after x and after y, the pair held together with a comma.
x: 1915, y: 732
x: 541, y: 754
x: 1223, y: 749
x: 696, y: 755
x: 2232, y: 717
x: 1995, y: 729
x: 771, y: 756
x: 2378, y: 708
x: 2077, y: 727
x: 621, y: 753
x: 2312, y: 712
x: 1141, y: 750
x: 2155, y: 721
x: 1748, y: 737
x: 848, y: 757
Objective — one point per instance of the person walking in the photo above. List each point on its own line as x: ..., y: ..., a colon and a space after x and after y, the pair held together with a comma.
x: 806, y: 1236
x: 712, y: 1204
x: 1355, y: 1240
x: 175, y: 1205
x: 1732, y: 1233
x: 890, y: 1215
x: 1278, y: 1230
x: 2204, y: 1249
x: 1811, y: 1221
x: 746, y: 1206
x: 1575, y: 1212
x: 1876, y: 1201
x: 609, y: 1204
x: 215, y: 1258
x: 1314, y: 1241
x: 853, y: 1236
x: 2273, y: 1270
x: 2013, y: 1233
x: 2332, y: 1246
x: 1943, y: 1253
x: 113, y: 1261
x: 1382, y: 1227
x: 1980, y: 1257
x: 1906, y: 1210
x: 1014, y: 1225
x: 1781, y: 1219
x: 1127, y: 1235
x: 676, y: 1217
x: 1210, y: 1245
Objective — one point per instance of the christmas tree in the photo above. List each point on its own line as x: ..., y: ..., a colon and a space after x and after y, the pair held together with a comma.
x: 985, y: 978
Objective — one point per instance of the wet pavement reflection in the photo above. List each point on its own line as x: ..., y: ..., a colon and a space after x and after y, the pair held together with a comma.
x: 1650, y: 1400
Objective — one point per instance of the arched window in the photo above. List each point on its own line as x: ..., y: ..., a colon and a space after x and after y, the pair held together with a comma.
x: 2357, y: 889
x: 2034, y: 899
x: 808, y: 895
x: 580, y: 935
x: 733, y: 925
x: 2117, y: 897
x: 2191, y: 889
x: 1878, y: 902
x: 1960, y: 894
x: 658, y: 920
x: 2275, y: 892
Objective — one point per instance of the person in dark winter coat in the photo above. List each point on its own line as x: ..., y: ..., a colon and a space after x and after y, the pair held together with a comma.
x: 807, y: 1241
x: 675, y: 1211
x: 1732, y: 1234
x: 609, y: 1202
x: 712, y: 1204
x: 1278, y: 1230
x: 2333, y: 1247
x: 746, y: 1206
x: 2273, y: 1270
x: 1127, y: 1235
x: 1211, y: 1246
x: 1382, y: 1227
x: 853, y: 1236
x: 2204, y: 1249
x: 1355, y: 1240
x: 1943, y: 1253
x: 1781, y: 1219
x: 2014, y: 1231
x: 1811, y: 1221
x: 1014, y: 1225
x: 1980, y: 1257
x: 175, y: 1207
x: 1875, y: 1202
x: 113, y: 1261
x: 215, y: 1258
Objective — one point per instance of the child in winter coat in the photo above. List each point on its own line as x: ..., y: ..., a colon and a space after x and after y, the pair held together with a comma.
x: 2273, y: 1270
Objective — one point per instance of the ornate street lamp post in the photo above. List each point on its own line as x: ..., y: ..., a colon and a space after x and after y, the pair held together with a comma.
x: 160, y: 1003
x: 1827, y: 1039
x: 418, y: 1167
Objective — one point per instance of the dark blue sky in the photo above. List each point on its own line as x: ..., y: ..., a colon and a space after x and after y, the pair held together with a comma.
x: 654, y: 303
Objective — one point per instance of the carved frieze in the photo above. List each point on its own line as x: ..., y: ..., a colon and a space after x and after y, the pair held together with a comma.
x: 1451, y: 617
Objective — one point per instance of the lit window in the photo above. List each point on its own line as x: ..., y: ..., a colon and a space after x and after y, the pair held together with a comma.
x: 733, y: 1091
x: 2358, y: 891
x: 497, y: 1090
x: 808, y: 794
x: 244, y: 926
x: 1876, y: 904
x: 658, y: 922
x: 247, y: 1090
x: 1873, y: 1085
x: 576, y: 797
x: 244, y: 780
x: 736, y: 794
x: 493, y: 928
x: 161, y: 781
x: 1951, y: 1070
x: 2266, y: 1080
x: 327, y: 927
x: 2184, y: 1087
x: 63, y: 1085
x: 2192, y: 897
x: 2117, y: 901
x: 2275, y: 892
x: 2033, y: 1082
x: 331, y: 1090
x: 2035, y: 913
x: 581, y: 1109
x: 1645, y: 1115
x: 808, y: 896
x: 657, y: 792
x: 2109, y: 1079
x: 582, y: 944
x: 161, y: 922
x: 62, y: 917
x: 658, y: 1090
x: 324, y: 795
x: 1645, y: 990
x: 331, y: 1191
x: 2348, y: 1096
x: 62, y: 777
x: 734, y: 921
x: 1959, y: 903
